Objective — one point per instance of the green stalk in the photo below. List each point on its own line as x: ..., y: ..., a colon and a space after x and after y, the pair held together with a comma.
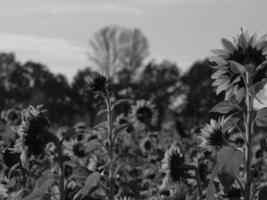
x: 56, y: 141
x: 199, y: 186
x: 62, y: 173
x: 110, y: 149
x: 249, y: 130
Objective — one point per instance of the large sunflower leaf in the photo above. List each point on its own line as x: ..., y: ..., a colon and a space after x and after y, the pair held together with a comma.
x: 230, y: 159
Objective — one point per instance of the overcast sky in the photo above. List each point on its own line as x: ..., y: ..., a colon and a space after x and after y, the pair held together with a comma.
x: 56, y: 32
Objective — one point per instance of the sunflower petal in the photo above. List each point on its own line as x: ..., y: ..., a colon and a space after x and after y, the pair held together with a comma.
x: 261, y: 45
x: 222, y: 87
x: 228, y: 45
x: 218, y: 73
x: 221, y: 52
x: 236, y: 67
x: 264, y: 51
x: 252, y: 40
x: 218, y: 60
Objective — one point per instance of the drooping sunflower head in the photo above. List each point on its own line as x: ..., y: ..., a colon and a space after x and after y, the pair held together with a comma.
x: 33, y: 129
x: 96, y: 83
x: 144, y: 112
x: 245, y: 54
x: 173, y: 164
x: 212, y: 135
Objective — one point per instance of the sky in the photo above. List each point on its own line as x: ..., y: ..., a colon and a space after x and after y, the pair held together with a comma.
x: 57, y: 32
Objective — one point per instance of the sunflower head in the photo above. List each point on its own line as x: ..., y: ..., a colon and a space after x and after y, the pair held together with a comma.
x: 144, y: 112
x: 174, y: 164
x: 76, y: 147
x: 213, y: 136
x: 10, y: 158
x: 79, y: 150
x: 233, y: 194
x: 33, y: 129
x: 246, y: 54
x: 146, y: 145
x: 96, y: 83
x: 11, y: 116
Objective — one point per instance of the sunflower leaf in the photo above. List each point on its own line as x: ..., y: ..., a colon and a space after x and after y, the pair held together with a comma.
x: 79, y: 173
x: 226, y: 180
x: 120, y: 101
x: 261, y: 117
x: 211, y: 190
x: 224, y: 107
x: 90, y: 184
x: 254, y: 89
x: 210, y: 194
x: 230, y: 159
x: 42, y: 186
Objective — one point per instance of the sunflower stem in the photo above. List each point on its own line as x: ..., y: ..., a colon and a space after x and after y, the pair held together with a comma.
x: 199, y: 186
x: 249, y: 130
x: 55, y: 140
x: 111, y: 169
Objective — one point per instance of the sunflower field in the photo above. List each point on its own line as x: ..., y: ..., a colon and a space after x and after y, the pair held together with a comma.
x: 156, y: 134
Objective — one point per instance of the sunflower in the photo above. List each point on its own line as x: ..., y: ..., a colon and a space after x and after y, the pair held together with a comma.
x: 11, y: 116
x: 146, y: 145
x: 212, y: 135
x: 33, y: 129
x: 143, y: 111
x: 75, y: 147
x: 174, y: 164
x: 246, y: 54
x: 96, y: 83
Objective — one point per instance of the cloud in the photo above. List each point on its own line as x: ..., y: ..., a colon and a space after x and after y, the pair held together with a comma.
x: 57, y: 7
x: 107, y: 7
x: 59, y: 55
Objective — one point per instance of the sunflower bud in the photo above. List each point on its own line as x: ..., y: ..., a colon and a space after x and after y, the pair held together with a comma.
x: 96, y: 83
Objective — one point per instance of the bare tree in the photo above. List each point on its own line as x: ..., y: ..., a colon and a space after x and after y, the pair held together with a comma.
x: 114, y: 48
